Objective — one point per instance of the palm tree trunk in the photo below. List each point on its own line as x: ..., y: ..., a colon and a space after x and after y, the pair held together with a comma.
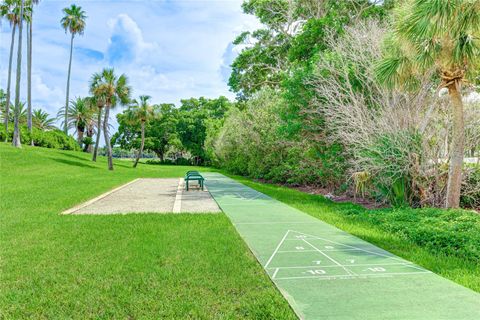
x: 65, y: 128
x: 457, y: 148
x: 80, y: 132
x: 29, y: 78
x: 88, y: 147
x: 142, y: 144
x: 16, y: 128
x: 107, y: 138
x: 9, y: 81
x: 97, y: 141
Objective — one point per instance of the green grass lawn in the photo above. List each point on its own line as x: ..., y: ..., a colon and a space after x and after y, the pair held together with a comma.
x: 446, y: 242
x: 123, y: 267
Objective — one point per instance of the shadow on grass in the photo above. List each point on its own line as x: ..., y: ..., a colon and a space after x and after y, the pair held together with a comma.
x: 74, y: 156
x: 75, y: 163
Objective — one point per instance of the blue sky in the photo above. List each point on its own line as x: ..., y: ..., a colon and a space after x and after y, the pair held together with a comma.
x: 169, y: 49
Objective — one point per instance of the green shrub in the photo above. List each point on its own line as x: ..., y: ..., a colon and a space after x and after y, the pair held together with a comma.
x: 449, y: 232
x: 55, y: 139
x: 470, y: 194
x: 178, y: 162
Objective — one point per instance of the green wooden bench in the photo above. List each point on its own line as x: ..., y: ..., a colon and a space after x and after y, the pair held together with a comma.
x: 194, y: 176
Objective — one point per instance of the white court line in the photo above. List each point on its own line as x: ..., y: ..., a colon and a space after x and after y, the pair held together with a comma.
x: 346, y: 245
x: 177, y: 205
x: 353, y: 276
x: 326, y: 250
x: 288, y: 222
x: 275, y: 273
x: 276, y: 249
x: 351, y: 265
x: 419, y: 268
x: 296, y: 251
x: 333, y: 260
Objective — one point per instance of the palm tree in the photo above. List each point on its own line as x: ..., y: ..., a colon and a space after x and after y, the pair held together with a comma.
x: 442, y: 36
x: 79, y: 113
x: 42, y: 120
x: 73, y: 22
x: 16, y: 128
x: 9, y: 9
x: 140, y: 112
x: 112, y: 90
x: 99, y: 102
x: 92, y: 124
x: 29, y: 65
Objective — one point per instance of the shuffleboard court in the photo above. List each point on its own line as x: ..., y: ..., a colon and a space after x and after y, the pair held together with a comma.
x: 326, y: 273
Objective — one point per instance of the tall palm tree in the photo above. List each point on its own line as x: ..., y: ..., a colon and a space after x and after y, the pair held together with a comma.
x: 140, y: 111
x: 42, y: 120
x: 113, y: 90
x: 79, y: 114
x: 73, y: 22
x: 9, y: 9
x: 29, y: 65
x: 440, y: 35
x: 16, y: 128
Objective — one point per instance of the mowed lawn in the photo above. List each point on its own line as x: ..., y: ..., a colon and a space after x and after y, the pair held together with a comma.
x: 122, y: 266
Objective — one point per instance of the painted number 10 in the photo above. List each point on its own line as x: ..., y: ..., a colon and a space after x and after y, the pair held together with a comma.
x: 318, y: 271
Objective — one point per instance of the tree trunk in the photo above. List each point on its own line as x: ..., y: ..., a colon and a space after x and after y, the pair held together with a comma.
x: 142, y: 144
x: 29, y: 78
x: 456, y: 148
x: 80, y: 132
x: 88, y: 147
x: 107, y: 138
x: 97, y: 141
x: 9, y: 81
x: 16, y: 131
x: 65, y: 129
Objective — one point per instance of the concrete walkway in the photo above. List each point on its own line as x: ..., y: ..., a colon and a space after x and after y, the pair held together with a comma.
x: 326, y: 273
x: 149, y: 196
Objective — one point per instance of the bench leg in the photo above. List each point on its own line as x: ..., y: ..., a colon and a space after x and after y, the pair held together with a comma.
x: 187, y: 185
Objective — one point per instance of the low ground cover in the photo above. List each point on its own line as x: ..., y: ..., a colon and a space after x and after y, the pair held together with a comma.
x: 132, y: 266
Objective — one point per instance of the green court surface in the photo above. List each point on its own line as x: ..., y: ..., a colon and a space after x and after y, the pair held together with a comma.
x: 326, y: 273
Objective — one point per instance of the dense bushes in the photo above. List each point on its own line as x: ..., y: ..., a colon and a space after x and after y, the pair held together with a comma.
x: 178, y: 161
x: 452, y: 232
x: 251, y: 143
x: 48, y: 139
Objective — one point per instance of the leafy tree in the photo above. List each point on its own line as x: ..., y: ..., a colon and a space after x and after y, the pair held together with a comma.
x: 442, y: 36
x: 160, y: 131
x: 140, y: 112
x: 191, y: 127
x: 109, y: 90
x: 42, y: 120
x: 73, y: 22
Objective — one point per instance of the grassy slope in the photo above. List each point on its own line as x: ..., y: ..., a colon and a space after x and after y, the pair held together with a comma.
x: 446, y: 242
x: 134, y: 266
